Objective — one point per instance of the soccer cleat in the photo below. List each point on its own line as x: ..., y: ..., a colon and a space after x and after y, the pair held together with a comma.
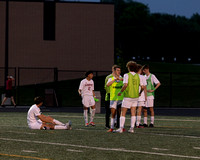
x: 120, y: 130
x: 110, y: 130
x: 69, y: 125
x: 145, y: 125
x: 86, y: 124
x: 151, y: 125
x: 92, y: 123
x: 131, y: 130
x: 140, y: 126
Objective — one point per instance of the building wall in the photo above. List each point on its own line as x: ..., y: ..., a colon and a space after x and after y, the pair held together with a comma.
x: 84, y: 36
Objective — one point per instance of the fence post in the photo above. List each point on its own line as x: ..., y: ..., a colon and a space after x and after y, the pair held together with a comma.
x: 170, y: 86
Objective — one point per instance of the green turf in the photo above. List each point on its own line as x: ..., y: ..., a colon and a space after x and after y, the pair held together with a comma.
x: 174, y: 136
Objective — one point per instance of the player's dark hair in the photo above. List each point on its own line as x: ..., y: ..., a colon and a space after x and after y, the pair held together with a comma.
x: 88, y: 72
x: 116, y: 66
x: 146, y: 66
x: 38, y: 100
x: 132, y: 66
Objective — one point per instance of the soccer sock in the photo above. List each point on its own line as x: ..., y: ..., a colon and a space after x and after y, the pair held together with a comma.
x: 122, y: 121
x: 112, y: 123
x: 133, y: 118
x: 58, y: 122
x: 145, y: 120
x: 85, y: 114
x: 152, y: 119
x: 92, y: 114
x: 138, y: 120
x: 60, y: 127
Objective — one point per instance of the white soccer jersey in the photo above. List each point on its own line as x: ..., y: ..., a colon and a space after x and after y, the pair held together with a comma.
x: 33, y: 112
x: 86, y: 87
x: 144, y: 83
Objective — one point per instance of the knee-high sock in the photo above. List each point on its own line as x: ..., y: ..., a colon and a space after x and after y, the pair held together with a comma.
x: 92, y: 114
x: 138, y: 120
x: 152, y: 119
x: 58, y: 122
x: 122, y: 121
x: 145, y: 120
x: 133, y: 118
x: 112, y: 123
x: 85, y: 114
x: 60, y: 127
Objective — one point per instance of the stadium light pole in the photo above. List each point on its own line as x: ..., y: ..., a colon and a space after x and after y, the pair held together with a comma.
x: 6, y: 42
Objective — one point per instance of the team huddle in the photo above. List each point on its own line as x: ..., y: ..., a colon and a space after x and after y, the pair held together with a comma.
x: 133, y: 91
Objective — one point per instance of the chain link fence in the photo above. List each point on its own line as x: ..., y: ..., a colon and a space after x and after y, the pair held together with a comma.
x: 176, y: 90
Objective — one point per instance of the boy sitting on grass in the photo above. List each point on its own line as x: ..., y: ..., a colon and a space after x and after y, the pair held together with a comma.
x: 36, y: 120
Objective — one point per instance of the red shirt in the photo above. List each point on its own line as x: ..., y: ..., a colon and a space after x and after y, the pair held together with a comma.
x: 9, y: 84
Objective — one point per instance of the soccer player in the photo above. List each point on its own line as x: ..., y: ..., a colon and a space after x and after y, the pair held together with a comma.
x: 9, y: 93
x: 115, y: 83
x: 36, y: 120
x: 143, y: 97
x: 151, y: 80
x: 86, y: 90
x: 131, y: 83
x: 107, y: 99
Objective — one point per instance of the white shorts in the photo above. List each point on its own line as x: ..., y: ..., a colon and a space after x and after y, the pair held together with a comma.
x: 36, y: 125
x: 114, y: 104
x: 141, y: 103
x: 129, y: 102
x: 88, y: 101
x: 149, y: 103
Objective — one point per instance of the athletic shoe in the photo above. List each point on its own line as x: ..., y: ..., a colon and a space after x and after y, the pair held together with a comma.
x: 131, y: 130
x: 87, y: 124
x: 92, y: 123
x: 145, y: 125
x: 120, y: 130
x: 140, y: 126
x: 69, y: 125
x: 110, y: 130
x: 151, y: 125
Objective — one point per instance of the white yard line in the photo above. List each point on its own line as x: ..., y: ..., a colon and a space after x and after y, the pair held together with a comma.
x: 160, y: 149
x: 72, y: 150
x: 102, y: 149
x: 28, y: 151
x: 176, y: 120
x: 196, y: 147
x: 20, y: 132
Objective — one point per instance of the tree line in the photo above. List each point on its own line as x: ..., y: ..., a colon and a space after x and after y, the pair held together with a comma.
x: 140, y: 34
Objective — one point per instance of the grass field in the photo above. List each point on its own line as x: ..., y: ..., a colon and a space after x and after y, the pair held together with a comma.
x: 172, y: 138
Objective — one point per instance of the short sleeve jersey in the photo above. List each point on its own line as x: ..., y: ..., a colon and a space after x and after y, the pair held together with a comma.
x: 86, y: 87
x: 33, y: 112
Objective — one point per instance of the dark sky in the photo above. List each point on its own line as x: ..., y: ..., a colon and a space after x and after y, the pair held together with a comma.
x: 178, y: 7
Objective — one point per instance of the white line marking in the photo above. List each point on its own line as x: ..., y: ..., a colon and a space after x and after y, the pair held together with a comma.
x: 27, y: 151
x: 72, y: 150
x: 20, y: 132
x: 196, y: 147
x: 96, y: 117
x: 160, y: 149
x: 101, y: 148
